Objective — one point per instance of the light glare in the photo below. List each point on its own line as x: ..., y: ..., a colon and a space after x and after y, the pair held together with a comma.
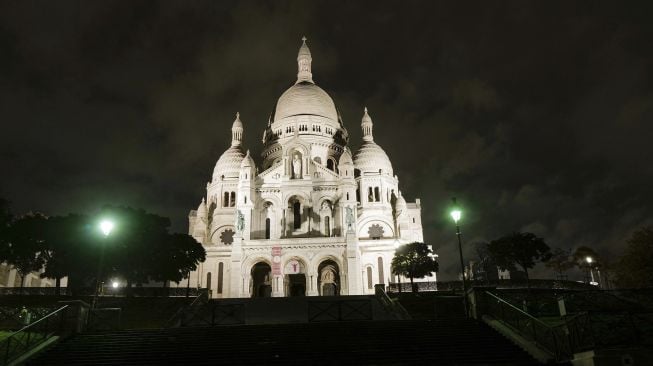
x: 589, y: 260
x: 455, y: 214
x: 106, y: 226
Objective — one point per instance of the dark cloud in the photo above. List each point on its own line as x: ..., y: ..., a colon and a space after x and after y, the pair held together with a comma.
x: 537, y: 116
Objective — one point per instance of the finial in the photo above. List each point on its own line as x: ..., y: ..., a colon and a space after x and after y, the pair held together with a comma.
x: 237, y: 115
x: 247, y: 152
x: 304, y: 38
x: 202, y: 199
x: 365, y: 110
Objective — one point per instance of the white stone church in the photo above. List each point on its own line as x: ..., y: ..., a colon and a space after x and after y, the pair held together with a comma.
x: 311, y: 219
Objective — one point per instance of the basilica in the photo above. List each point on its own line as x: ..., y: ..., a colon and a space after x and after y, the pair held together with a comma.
x: 311, y: 217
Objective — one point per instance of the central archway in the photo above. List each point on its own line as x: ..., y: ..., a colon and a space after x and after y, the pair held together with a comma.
x: 328, y: 278
x: 261, y: 280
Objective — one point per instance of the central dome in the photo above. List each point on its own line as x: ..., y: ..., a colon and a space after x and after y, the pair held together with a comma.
x: 305, y: 98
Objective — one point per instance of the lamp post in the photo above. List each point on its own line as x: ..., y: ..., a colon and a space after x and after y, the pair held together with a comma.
x: 397, y: 244
x: 455, y: 215
x: 589, y: 261
x: 106, y: 227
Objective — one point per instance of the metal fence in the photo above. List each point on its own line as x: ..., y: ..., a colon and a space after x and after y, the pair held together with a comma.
x: 106, y: 291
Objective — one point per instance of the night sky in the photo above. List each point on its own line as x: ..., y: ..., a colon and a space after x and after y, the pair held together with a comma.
x: 538, y: 116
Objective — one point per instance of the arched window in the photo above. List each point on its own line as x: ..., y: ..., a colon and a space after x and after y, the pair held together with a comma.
x: 327, y: 228
x: 208, y: 280
x: 220, y: 276
x: 225, y: 200
x: 330, y: 164
x: 267, y: 228
x: 358, y: 195
x: 369, y: 278
x: 245, y: 199
x: 370, y: 194
x: 380, y: 264
x: 377, y: 196
x: 297, y: 215
x: 232, y: 199
x: 347, y: 196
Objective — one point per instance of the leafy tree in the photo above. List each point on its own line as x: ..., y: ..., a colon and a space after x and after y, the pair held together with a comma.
x: 523, y: 249
x: 561, y: 261
x: 414, y: 261
x: 634, y: 268
x: 179, y: 255
x: 141, y: 249
x: 24, y: 242
x: 69, y: 250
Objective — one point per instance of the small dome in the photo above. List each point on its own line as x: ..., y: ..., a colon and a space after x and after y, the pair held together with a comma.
x: 247, y: 162
x: 201, y: 209
x: 345, y: 158
x: 371, y: 158
x: 305, y: 98
x: 229, y: 163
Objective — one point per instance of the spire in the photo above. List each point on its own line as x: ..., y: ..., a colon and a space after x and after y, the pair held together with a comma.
x: 366, y: 126
x: 304, y: 63
x: 237, y: 131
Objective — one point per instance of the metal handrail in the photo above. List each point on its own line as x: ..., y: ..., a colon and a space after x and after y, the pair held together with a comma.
x: 393, y: 306
x: 182, y: 310
x: 554, y: 339
x: 519, y: 310
x: 8, y: 356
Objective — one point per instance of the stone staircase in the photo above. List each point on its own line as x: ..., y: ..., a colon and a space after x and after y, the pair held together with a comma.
x: 452, y: 342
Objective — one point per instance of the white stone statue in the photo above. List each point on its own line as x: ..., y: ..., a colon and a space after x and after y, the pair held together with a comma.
x: 296, y: 167
x: 350, y: 218
x: 240, y: 222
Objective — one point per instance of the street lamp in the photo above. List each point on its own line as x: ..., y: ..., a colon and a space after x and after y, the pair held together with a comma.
x: 456, y: 215
x: 589, y: 261
x: 397, y: 244
x: 106, y: 226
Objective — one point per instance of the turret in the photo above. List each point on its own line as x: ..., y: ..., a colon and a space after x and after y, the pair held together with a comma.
x: 304, y: 60
x: 237, y: 131
x: 366, y: 126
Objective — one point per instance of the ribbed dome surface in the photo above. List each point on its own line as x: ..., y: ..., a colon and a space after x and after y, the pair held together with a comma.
x: 371, y: 157
x: 305, y: 98
x: 229, y: 163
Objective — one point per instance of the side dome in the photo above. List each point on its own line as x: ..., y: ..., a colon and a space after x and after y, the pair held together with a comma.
x: 371, y: 158
x: 229, y: 163
x: 305, y: 98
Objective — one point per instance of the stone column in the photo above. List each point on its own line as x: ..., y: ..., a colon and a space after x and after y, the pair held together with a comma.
x: 277, y: 286
x: 353, y: 265
x: 236, y: 267
x: 311, y: 289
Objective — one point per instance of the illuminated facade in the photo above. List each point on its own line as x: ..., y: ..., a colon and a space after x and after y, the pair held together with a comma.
x: 312, y: 218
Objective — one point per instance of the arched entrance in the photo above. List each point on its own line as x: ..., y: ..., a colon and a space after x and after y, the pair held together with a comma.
x: 295, y: 278
x: 328, y: 280
x: 261, y: 280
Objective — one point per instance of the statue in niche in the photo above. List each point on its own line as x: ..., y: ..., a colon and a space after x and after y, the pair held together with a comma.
x: 328, y: 276
x: 326, y: 205
x: 296, y: 167
x: 240, y: 222
x: 350, y: 218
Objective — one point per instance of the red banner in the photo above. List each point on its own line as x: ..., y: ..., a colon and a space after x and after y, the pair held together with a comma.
x: 276, y: 261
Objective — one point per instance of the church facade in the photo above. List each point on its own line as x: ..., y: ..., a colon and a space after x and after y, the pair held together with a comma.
x: 312, y: 218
